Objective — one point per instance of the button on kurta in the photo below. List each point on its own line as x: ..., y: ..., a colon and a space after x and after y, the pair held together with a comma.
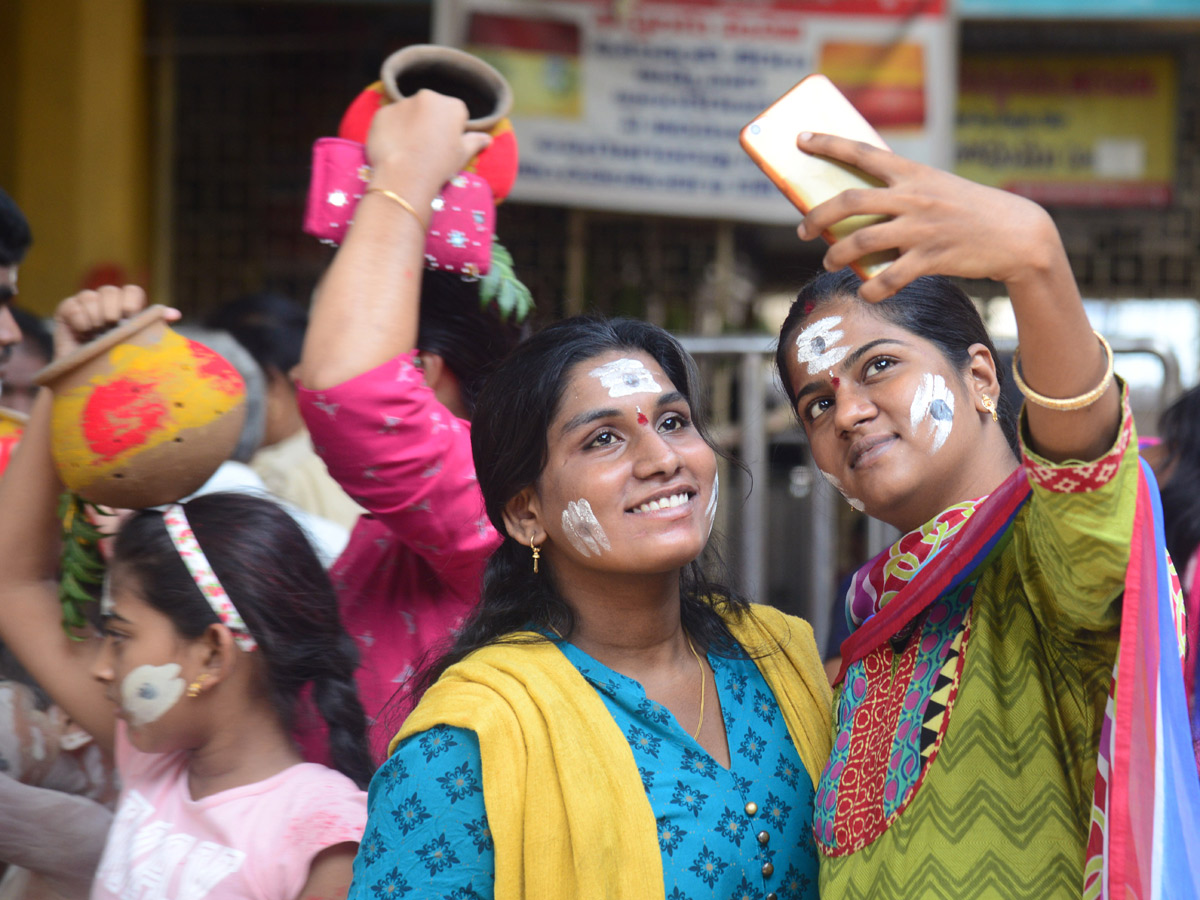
x: 768, y: 870
x: 772, y: 896
x: 763, y: 837
x: 751, y: 808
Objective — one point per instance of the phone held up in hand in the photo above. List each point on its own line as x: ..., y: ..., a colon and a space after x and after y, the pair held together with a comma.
x: 815, y: 105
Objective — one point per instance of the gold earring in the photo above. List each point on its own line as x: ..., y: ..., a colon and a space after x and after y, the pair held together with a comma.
x: 990, y: 405
x: 536, y: 556
x: 194, y: 689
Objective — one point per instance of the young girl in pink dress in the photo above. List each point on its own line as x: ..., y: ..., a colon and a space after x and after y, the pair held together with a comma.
x: 217, y: 614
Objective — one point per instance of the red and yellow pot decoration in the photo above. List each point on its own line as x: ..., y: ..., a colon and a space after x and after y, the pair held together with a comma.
x: 12, y: 426
x: 454, y: 72
x: 142, y: 416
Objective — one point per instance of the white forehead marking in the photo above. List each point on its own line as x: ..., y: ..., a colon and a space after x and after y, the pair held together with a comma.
x: 583, y: 528
x: 623, y: 377
x: 106, y: 598
x: 149, y: 691
x: 854, y: 502
x: 817, y: 345
x: 934, y: 401
x: 710, y: 511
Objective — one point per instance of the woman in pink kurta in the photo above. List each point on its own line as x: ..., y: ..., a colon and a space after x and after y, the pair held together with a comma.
x: 392, y: 363
x: 411, y: 571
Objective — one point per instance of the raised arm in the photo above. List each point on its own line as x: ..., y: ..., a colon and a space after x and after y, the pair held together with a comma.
x: 30, y: 615
x: 59, y: 836
x: 365, y: 310
x: 946, y: 225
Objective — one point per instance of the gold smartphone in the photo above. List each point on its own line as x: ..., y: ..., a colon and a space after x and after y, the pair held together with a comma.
x: 816, y: 105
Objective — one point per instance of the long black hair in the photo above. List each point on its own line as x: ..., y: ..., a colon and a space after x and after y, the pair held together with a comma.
x: 269, y: 570
x: 1179, y: 428
x: 471, y: 339
x: 932, y: 307
x: 509, y: 440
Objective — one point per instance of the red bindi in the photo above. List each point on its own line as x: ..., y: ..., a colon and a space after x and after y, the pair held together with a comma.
x: 642, y: 420
x: 836, y: 381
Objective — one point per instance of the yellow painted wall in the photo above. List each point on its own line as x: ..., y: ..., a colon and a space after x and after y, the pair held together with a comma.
x: 74, y: 139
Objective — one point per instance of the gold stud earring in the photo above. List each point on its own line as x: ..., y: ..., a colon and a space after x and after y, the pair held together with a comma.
x: 990, y: 405
x: 536, y: 556
x: 194, y: 689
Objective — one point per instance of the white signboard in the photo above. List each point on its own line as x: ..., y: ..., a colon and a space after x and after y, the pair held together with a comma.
x: 637, y: 106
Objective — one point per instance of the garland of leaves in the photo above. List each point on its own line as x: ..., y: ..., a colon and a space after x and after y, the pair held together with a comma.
x: 501, y: 285
x: 82, y: 565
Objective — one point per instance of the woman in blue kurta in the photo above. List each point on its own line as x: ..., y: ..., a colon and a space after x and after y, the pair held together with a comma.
x: 609, y: 723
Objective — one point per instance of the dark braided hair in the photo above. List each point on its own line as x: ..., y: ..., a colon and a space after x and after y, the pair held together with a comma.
x: 510, y: 445
x: 931, y: 307
x: 269, y: 570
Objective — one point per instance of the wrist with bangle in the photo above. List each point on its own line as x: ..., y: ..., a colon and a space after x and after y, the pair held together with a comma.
x: 400, y: 201
x: 1067, y: 404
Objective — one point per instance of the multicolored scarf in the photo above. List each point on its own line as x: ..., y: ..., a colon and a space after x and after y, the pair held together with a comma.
x: 900, y: 584
x: 1144, y: 839
x: 1148, y: 851
x: 877, y: 584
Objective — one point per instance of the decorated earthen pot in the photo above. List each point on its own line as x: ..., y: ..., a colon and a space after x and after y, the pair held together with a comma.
x: 456, y: 73
x: 12, y: 426
x: 142, y: 416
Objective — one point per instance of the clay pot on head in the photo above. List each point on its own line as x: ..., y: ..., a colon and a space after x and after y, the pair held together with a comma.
x: 142, y: 416
x: 452, y: 72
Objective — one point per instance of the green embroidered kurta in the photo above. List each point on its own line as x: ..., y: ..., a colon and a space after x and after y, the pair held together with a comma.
x: 1024, y: 659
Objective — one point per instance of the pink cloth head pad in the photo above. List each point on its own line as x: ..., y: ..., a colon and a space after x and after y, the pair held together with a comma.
x: 460, y: 232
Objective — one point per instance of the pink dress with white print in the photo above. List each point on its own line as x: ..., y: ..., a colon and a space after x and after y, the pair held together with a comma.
x: 412, y: 570
x: 254, y: 842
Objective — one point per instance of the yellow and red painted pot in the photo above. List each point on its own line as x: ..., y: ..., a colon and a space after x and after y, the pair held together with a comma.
x: 142, y: 415
x: 12, y: 426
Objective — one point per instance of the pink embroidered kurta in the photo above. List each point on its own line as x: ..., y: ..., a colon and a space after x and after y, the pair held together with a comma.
x: 412, y: 569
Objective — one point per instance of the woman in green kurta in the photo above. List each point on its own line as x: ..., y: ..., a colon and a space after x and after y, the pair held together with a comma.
x: 974, y: 683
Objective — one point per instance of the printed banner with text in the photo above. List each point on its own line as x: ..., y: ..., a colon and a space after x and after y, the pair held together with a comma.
x: 637, y: 106
x: 1072, y: 129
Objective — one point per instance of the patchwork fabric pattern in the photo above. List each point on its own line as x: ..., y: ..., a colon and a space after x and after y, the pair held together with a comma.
x: 895, y: 710
x: 1079, y: 477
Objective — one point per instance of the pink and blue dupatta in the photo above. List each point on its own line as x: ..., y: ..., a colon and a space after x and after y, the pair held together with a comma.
x: 1145, y: 836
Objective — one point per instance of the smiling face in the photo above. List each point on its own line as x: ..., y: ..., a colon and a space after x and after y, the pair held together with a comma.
x: 628, y: 480
x: 144, y: 666
x: 892, y: 424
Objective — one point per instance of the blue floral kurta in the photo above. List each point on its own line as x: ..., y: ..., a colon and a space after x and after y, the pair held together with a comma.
x: 743, y: 833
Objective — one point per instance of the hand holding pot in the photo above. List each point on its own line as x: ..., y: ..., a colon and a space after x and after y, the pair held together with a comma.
x: 89, y: 314
x: 420, y: 142
x: 141, y: 415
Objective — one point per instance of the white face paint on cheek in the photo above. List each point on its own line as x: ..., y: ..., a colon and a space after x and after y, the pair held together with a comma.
x: 934, y: 401
x: 149, y: 691
x: 855, y: 503
x: 623, y: 377
x: 817, y: 347
x: 710, y: 511
x: 583, y: 528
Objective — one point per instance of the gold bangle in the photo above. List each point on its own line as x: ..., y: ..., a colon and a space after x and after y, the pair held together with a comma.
x: 1071, y: 403
x: 392, y: 195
